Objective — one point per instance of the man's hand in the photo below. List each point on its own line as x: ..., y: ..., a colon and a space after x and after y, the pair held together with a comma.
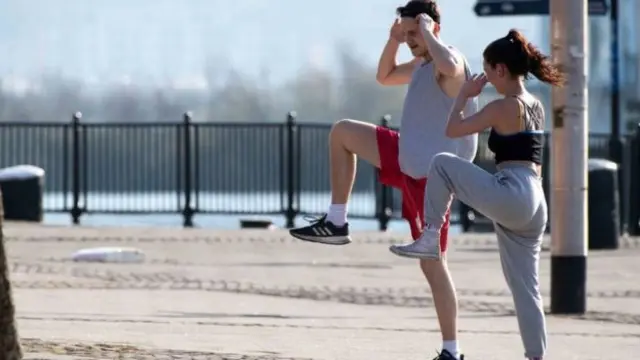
x: 396, y: 32
x: 447, y: 61
x: 426, y: 24
x: 389, y: 71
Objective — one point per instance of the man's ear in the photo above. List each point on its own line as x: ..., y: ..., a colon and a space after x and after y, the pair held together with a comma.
x: 436, y: 29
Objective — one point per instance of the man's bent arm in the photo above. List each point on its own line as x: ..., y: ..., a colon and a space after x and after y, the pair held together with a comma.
x: 389, y: 72
x: 447, y: 61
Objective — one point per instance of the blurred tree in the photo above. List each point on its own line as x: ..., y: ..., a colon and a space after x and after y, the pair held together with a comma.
x: 126, y: 103
x: 62, y: 97
x: 165, y: 107
x: 362, y: 97
x: 239, y: 99
x: 313, y: 95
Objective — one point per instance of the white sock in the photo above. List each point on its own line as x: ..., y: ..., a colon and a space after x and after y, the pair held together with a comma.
x: 337, y: 214
x: 452, y: 347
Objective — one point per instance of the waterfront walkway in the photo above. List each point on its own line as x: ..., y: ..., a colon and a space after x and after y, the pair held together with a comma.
x: 206, y: 294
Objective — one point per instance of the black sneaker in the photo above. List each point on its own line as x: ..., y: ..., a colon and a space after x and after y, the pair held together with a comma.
x: 446, y: 355
x: 323, y: 231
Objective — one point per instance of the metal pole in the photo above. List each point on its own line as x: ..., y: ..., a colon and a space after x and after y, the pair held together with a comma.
x: 187, y: 210
x: 76, y: 211
x: 293, y: 171
x: 616, y: 146
x: 615, y: 142
x: 569, y: 39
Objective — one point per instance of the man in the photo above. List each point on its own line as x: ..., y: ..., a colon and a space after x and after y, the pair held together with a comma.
x: 435, y: 76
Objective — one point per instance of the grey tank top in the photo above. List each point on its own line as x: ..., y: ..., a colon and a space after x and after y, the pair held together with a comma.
x: 424, y: 120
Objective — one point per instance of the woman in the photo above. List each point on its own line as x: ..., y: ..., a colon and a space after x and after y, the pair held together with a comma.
x: 512, y: 198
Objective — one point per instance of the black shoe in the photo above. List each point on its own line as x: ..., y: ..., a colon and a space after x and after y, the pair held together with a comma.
x: 323, y: 231
x: 446, y: 355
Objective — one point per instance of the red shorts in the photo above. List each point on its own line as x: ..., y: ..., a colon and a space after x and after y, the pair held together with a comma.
x: 412, y: 189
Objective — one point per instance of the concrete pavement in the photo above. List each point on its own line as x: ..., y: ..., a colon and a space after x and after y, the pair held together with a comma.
x: 206, y: 294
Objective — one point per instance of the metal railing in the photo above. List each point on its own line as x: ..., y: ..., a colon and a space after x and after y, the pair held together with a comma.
x: 191, y: 168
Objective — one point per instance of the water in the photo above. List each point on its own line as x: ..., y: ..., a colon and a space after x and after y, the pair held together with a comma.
x: 363, y: 203
x: 99, y: 203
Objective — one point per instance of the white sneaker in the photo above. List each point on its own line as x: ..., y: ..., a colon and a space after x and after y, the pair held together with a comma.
x: 426, y: 247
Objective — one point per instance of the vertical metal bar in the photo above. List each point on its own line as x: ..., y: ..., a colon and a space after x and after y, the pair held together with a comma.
x: 65, y: 168
x: 187, y: 211
x: 615, y: 142
x: 291, y: 212
x: 282, y: 137
x: 616, y: 146
x: 84, y: 156
x: 76, y: 212
x: 179, y: 157
x: 196, y: 166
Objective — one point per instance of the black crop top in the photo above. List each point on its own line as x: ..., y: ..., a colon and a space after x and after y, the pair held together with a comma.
x: 525, y: 145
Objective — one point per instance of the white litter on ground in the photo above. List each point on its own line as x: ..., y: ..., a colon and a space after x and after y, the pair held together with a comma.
x: 109, y: 255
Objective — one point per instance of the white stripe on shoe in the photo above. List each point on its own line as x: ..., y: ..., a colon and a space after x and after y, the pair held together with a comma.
x: 322, y: 231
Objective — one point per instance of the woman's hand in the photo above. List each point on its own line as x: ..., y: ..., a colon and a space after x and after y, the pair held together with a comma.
x: 473, y: 86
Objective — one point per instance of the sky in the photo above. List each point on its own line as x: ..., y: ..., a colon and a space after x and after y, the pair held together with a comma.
x: 178, y: 41
x: 192, y: 44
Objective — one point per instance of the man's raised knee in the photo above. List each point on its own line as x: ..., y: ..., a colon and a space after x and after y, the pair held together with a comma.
x: 344, y: 131
x: 338, y: 129
x: 357, y: 137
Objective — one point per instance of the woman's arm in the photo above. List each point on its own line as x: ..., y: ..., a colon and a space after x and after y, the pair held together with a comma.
x: 459, y: 125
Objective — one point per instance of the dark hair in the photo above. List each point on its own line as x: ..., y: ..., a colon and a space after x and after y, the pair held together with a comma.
x: 522, y: 58
x: 416, y: 7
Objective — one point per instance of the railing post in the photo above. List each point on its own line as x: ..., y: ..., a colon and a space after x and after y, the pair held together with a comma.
x: 187, y: 210
x: 385, y: 200
x: 634, y: 173
x: 76, y: 212
x: 290, y: 211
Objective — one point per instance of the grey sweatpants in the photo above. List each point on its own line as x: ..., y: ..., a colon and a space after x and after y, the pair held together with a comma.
x: 514, y: 200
